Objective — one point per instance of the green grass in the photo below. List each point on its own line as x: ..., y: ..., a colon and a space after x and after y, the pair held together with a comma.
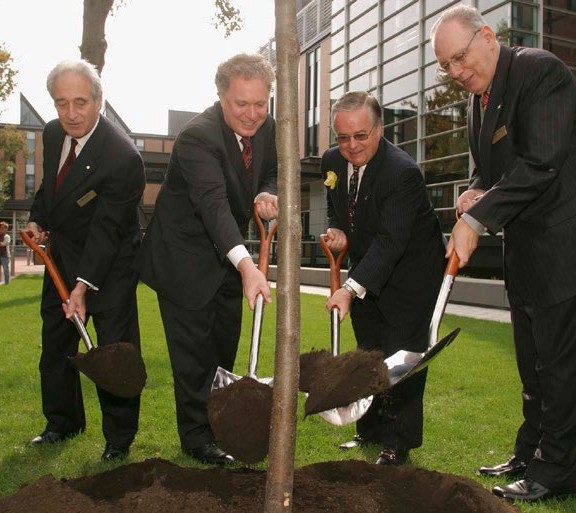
x: 472, y: 401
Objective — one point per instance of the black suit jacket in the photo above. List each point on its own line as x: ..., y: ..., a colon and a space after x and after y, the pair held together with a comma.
x: 93, y: 218
x: 204, y: 207
x: 396, y: 249
x: 524, y: 155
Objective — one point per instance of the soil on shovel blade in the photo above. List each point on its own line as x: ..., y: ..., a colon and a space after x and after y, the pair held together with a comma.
x: 335, y: 381
x: 239, y: 416
x: 157, y: 485
x: 118, y: 368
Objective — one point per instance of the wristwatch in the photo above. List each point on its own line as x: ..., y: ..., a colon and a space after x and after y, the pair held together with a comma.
x: 350, y: 290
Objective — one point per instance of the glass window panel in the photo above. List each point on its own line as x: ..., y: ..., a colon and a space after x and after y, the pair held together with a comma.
x: 559, y: 24
x: 400, y: 43
x: 337, y: 76
x: 359, y: 7
x: 499, y: 20
x: 363, y: 23
x: 410, y: 148
x: 392, y: 6
x: 455, y: 167
x: 524, y: 17
x: 562, y: 49
x: 400, y: 88
x: 363, y: 63
x: 337, y: 39
x: 337, y: 58
x: 400, y: 66
x: 402, y: 132
x: 522, y: 39
x: 401, y: 21
x: 431, y: 6
x: 361, y: 83
x: 449, y: 93
x: 364, y: 42
x: 338, y: 20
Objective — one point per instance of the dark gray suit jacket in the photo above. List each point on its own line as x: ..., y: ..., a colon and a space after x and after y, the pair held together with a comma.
x: 204, y: 207
x: 396, y: 250
x: 524, y: 155
x: 93, y: 218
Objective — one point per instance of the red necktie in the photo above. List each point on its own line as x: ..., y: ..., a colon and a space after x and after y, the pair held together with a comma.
x: 65, y: 169
x: 352, y: 193
x: 247, y: 153
x: 484, y: 99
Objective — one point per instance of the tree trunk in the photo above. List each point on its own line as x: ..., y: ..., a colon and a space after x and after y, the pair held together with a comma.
x: 94, y: 45
x: 280, y: 476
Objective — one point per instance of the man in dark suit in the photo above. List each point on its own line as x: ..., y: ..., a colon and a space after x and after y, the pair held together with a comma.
x: 91, y: 217
x: 523, y: 181
x: 193, y: 253
x: 377, y: 202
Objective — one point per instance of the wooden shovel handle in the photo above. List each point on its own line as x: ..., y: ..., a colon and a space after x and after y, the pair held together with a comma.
x: 265, y: 242
x: 335, y: 263
x: 50, y: 266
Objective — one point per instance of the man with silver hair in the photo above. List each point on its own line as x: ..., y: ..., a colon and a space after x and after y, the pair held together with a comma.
x: 522, y: 138
x: 193, y: 253
x: 87, y: 206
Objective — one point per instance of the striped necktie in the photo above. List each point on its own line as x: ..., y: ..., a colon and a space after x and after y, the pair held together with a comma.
x: 352, y: 193
x: 65, y: 169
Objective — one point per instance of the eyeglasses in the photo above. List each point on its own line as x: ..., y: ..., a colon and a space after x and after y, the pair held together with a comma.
x: 362, y: 136
x: 457, y: 60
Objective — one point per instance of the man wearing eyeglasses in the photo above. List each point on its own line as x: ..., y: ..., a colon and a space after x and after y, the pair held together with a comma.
x: 523, y: 182
x: 377, y: 203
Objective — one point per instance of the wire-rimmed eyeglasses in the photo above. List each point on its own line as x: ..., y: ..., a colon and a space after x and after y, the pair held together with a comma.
x: 362, y: 136
x: 457, y: 60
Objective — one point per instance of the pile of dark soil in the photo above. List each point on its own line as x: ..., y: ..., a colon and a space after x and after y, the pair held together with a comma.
x: 239, y: 415
x: 157, y: 485
x: 335, y: 381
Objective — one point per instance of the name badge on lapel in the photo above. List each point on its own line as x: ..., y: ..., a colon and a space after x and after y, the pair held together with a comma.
x: 87, y: 198
x: 499, y: 134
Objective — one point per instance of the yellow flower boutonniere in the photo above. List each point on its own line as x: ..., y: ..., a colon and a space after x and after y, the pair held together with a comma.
x: 331, y: 180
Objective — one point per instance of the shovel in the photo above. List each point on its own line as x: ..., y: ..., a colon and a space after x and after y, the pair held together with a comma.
x: 117, y: 368
x: 240, y: 408
x: 403, y: 364
x: 224, y: 377
x: 343, y: 415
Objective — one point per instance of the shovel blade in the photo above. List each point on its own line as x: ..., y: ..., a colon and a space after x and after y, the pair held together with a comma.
x: 404, y: 364
x: 117, y: 368
x: 224, y: 378
x: 345, y: 415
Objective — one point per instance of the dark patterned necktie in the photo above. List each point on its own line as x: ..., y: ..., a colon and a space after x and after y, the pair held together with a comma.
x: 352, y: 193
x: 484, y: 99
x: 65, y: 169
x: 247, y: 153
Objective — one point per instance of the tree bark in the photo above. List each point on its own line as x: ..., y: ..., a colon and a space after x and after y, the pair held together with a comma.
x: 93, y: 47
x: 280, y: 476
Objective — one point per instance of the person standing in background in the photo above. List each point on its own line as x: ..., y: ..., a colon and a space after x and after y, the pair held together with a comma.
x: 5, y: 251
x: 193, y: 253
x: 522, y: 138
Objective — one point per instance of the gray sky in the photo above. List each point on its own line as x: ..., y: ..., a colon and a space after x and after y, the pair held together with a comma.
x: 156, y: 59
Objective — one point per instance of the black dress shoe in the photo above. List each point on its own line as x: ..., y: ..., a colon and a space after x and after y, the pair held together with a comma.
x: 513, y: 467
x: 51, y: 437
x: 114, y: 452
x: 392, y: 456
x: 210, y: 453
x: 523, y: 490
x: 357, y: 441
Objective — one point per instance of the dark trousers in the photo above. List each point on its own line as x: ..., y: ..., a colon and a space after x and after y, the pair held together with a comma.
x: 545, y: 342
x: 395, y: 418
x: 198, y: 342
x: 62, y: 401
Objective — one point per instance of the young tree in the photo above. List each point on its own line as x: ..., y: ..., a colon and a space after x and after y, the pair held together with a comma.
x: 7, y: 74
x: 11, y: 143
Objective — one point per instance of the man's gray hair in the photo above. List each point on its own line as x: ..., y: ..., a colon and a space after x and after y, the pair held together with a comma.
x: 466, y: 15
x: 247, y: 66
x: 80, y: 67
x: 354, y: 100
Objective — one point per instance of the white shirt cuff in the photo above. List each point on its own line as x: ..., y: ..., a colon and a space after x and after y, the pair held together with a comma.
x: 90, y: 286
x: 477, y: 226
x: 236, y: 254
x: 360, y: 290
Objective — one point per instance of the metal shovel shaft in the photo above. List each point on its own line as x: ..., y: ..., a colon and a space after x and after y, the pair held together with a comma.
x: 256, y: 334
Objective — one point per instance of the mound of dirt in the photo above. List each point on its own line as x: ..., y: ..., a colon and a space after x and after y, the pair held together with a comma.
x: 156, y: 485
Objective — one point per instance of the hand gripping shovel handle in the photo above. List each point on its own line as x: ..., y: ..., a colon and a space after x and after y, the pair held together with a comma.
x: 335, y: 264
x: 263, y: 264
x: 59, y: 284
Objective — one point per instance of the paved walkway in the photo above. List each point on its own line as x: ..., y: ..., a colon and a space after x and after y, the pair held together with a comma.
x: 25, y: 265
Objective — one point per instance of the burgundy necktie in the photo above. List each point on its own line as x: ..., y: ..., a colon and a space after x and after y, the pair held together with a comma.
x: 65, y: 169
x: 247, y: 152
x: 484, y: 99
x: 352, y: 192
